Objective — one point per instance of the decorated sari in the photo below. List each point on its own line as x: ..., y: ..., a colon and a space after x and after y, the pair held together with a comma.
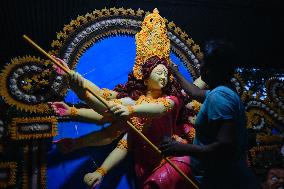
x: 151, y: 170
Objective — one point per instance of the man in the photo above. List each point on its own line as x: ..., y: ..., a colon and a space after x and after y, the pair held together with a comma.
x: 219, y: 149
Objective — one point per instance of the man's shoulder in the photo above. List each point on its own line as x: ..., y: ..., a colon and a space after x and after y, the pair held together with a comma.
x: 223, y: 91
x: 223, y: 94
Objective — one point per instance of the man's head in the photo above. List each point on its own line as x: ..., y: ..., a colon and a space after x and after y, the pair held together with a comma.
x: 219, y: 62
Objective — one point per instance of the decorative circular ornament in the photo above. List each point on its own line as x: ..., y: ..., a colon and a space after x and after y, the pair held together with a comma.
x: 27, y: 83
x: 275, y: 92
x: 238, y: 83
x: 258, y: 118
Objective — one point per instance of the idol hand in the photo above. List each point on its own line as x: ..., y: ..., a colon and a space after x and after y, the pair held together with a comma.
x: 60, y: 108
x: 93, y: 179
x: 58, y: 70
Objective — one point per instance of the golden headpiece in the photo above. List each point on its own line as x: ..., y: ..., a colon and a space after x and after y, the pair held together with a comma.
x: 150, y: 41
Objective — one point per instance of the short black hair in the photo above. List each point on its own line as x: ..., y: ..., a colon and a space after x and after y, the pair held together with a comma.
x: 220, y: 55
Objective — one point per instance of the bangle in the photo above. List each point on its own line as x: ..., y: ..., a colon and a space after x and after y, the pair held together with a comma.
x: 130, y: 109
x: 122, y: 144
x: 101, y: 170
x: 106, y: 93
x: 73, y: 111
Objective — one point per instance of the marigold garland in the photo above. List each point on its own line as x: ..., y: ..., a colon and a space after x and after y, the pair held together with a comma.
x: 196, y: 105
x: 136, y: 121
x: 162, y: 100
x: 191, y: 135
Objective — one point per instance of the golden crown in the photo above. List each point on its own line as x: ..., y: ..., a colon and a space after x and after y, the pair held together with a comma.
x: 150, y: 41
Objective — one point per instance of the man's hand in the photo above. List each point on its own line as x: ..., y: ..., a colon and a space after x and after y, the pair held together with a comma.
x: 174, y: 68
x: 65, y: 145
x: 170, y: 147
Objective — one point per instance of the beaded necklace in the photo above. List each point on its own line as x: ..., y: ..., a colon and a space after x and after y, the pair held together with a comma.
x: 139, y: 123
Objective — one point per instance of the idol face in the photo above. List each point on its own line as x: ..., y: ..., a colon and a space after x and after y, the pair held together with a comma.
x: 158, y: 78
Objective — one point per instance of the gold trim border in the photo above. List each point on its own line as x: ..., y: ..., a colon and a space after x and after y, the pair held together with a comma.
x: 18, y: 136
x: 12, y: 177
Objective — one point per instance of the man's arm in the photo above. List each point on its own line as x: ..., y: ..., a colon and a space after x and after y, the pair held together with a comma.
x: 224, y: 147
x: 191, y: 89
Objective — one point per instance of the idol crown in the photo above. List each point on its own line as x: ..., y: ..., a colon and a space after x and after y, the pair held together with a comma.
x: 152, y: 40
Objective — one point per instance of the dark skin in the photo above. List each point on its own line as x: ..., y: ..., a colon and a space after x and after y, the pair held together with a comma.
x: 224, y: 145
x: 189, y: 88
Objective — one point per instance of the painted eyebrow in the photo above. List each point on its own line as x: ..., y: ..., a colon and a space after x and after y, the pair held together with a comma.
x: 162, y: 70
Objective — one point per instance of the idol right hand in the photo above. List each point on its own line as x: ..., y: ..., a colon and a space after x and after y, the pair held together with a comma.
x: 58, y: 70
x: 60, y: 108
x: 93, y: 179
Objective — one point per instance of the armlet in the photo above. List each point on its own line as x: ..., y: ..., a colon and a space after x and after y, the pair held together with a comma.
x: 122, y: 144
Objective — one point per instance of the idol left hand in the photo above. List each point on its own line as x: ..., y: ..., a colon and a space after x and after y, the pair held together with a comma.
x: 120, y: 110
x: 93, y: 179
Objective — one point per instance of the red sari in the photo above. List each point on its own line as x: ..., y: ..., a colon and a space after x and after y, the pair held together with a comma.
x: 151, y: 171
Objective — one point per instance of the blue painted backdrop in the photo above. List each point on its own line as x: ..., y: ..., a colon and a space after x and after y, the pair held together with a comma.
x: 107, y: 63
